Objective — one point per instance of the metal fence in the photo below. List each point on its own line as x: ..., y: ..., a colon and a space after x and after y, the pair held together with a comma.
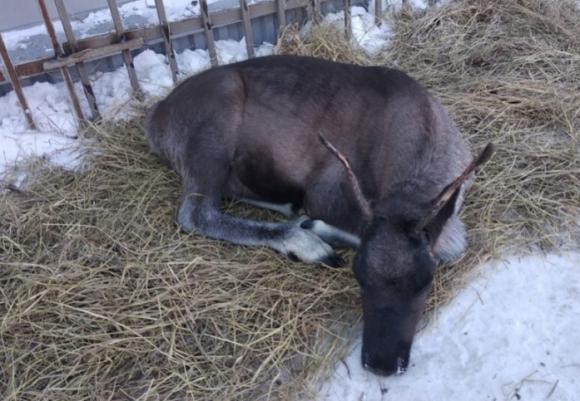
x: 70, y: 57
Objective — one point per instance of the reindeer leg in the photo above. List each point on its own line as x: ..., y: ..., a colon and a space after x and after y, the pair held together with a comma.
x: 207, y: 177
x: 202, y: 215
x: 331, y: 235
x: 287, y: 209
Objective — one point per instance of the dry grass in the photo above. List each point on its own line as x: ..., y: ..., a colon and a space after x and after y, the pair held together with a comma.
x: 509, y: 71
x: 324, y: 41
x: 101, y: 297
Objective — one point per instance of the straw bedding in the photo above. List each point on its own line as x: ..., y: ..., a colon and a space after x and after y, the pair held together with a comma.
x: 102, y: 297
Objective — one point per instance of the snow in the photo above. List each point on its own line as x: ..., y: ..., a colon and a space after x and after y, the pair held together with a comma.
x: 134, y: 13
x: 50, y: 107
x: 395, y: 5
x: 15, y: 38
x: 141, y: 13
x: 177, y: 9
x: 51, y: 112
x: 419, y: 4
x: 511, y: 334
x: 365, y: 33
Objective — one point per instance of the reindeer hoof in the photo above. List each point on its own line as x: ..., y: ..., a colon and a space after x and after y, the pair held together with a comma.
x: 333, y: 261
x: 306, y: 246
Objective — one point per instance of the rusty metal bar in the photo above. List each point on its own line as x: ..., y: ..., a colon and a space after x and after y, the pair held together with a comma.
x: 89, y: 54
x: 166, y: 31
x: 248, y: 33
x: 127, y: 57
x: 83, y: 75
x: 50, y: 28
x: 153, y: 34
x: 208, y: 29
x: 281, y: 10
x: 379, y: 11
x: 347, y: 20
x: 16, y: 83
x: 310, y: 11
x: 316, y: 14
x: 64, y: 71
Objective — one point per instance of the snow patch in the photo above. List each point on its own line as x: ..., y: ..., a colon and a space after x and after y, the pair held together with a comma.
x: 418, y: 4
x: 178, y: 9
x: 153, y: 72
x: 228, y: 51
x: 365, y: 33
x: 396, y: 5
x: 51, y: 111
x: 48, y: 104
x: 54, y: 139
x: 143, y: 11
x: 58, y: 149
x: 512, y: 334
x: 15, y: 38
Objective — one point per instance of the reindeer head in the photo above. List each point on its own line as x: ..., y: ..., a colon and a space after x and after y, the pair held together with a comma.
x: 396, y: 263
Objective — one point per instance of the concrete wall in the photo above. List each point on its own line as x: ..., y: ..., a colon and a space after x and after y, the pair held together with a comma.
x: 17, y: 13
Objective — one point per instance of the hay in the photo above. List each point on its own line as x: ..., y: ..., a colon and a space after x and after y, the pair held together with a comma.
x: 102, y: 297
x: 323, y: 41
x: 510, y: 73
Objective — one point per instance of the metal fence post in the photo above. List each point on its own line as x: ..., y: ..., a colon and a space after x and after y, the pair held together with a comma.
x: 76, y: 105
x: 347, y: 21
x: 167, y: 38
x: 127, y: 57
x: 13, y: 77
x: 249, y: 34
x: 84, y: 76
x: 208, y: 29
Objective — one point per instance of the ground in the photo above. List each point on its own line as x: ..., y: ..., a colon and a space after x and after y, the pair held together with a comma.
x: 510, y: 334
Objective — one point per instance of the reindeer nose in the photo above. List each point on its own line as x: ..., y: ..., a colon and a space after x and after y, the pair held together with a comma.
x: 384, y: 369
x: 402, y: 364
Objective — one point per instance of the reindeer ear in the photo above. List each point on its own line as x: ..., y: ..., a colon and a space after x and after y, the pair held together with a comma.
x: 443, y: 205
x: 435, y: 225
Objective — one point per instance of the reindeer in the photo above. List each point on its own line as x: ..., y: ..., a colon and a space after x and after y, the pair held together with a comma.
x: 370, y: 156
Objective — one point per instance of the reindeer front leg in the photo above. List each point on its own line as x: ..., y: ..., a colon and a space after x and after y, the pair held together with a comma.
x: 329, y: 234
x: 202, y: 215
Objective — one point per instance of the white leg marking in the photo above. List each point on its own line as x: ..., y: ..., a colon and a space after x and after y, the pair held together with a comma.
x: 305, y: 245
x: 334, y: 235
x: 283, y: 208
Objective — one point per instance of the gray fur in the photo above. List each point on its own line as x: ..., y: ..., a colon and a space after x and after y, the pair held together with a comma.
x: 283, y: 208
x: 250, y: 130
